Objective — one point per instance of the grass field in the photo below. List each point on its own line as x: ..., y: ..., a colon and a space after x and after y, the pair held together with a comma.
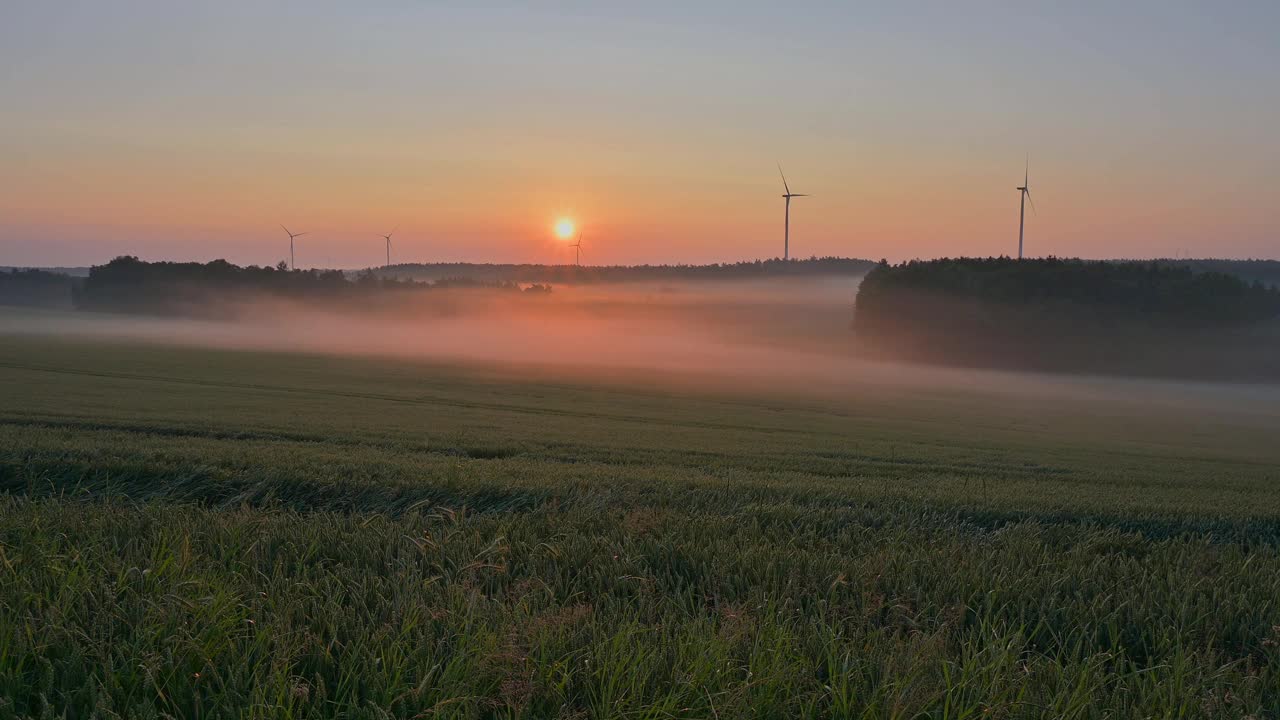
x: 200, y: 533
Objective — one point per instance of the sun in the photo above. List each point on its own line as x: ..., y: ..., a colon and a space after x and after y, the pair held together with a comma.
x: 564, y: 228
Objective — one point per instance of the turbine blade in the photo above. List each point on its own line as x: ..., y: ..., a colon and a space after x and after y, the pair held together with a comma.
x: 784, y: 179
x: 1033, y: 202
x: 300, y: 234
x: 286, y: 229
x: 801, y: 195
x: 1026, y: 170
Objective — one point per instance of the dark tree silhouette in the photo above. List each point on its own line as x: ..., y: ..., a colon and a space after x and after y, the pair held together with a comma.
x: 128, y: 284
x: 586, y: 274
x: 37, y: 288
x: 1129, y: 317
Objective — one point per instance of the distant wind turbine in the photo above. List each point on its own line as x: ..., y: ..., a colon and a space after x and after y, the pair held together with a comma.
x: 577, y: 250
x: 1024, y: 193
x: 292, y: 235
x: 786, y: 228
x: 388, y: 239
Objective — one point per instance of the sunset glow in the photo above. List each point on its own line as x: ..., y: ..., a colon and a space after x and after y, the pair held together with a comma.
x: 564, y: 228
x: 112, y: 147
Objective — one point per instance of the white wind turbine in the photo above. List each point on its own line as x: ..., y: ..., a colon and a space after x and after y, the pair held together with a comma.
x: 1024, y: 195
x: 387, y: 237
x: 786, y: 227
x: 577, y: 250
x: 292, y: 235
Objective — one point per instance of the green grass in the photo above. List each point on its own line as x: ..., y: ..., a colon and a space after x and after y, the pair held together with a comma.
x: 202, y: 534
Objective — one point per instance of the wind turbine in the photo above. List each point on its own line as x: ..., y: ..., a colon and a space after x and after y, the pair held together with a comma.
x: 577, y: 250
x: 1024, y: 194
x: 786, y: 231
x: 388, y: 238
x: 292, y: 235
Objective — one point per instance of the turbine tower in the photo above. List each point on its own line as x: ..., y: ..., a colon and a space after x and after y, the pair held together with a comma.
x: 786, y: 227
x: 1024, y: 194
x: 292, y: 235
x: 388, y: 239
x: 577, y: 250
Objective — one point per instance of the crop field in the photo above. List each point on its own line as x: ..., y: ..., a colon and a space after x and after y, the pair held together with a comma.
x: 197, y: 533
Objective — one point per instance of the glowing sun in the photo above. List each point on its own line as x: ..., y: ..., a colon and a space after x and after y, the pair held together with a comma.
x: 564, y: 228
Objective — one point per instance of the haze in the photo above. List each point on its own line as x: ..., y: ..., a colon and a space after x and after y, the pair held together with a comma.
x: 188, y: 132
x: 783, y: 339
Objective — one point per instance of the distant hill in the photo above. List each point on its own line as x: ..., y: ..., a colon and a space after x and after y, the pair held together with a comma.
x: 586, y: 274
x: 1107, y: 317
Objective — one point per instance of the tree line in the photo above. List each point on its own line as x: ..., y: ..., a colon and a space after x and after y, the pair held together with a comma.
x: 587, y: 274
x: 1127, y: 317
x: 1129, y: 292
x: 1266, y: 272
x: 36, y: 288
x: 127, y: 284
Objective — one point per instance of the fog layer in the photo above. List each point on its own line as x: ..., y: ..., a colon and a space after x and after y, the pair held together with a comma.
x: 789, y: 336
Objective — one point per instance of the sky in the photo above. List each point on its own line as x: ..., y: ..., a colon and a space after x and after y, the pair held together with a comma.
x: 192, y: 131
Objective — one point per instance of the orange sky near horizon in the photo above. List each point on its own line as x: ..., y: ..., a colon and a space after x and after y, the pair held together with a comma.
x: 107, y: 153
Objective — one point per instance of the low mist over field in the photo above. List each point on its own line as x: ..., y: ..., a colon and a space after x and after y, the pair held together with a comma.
x: 781, y: 335
x: 737, y: 327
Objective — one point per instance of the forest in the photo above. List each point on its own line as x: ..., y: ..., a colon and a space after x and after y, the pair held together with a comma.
x: 1266, y: 272
x: 1143, y: 318
x: 128, y: 284
x: 36, y: 288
